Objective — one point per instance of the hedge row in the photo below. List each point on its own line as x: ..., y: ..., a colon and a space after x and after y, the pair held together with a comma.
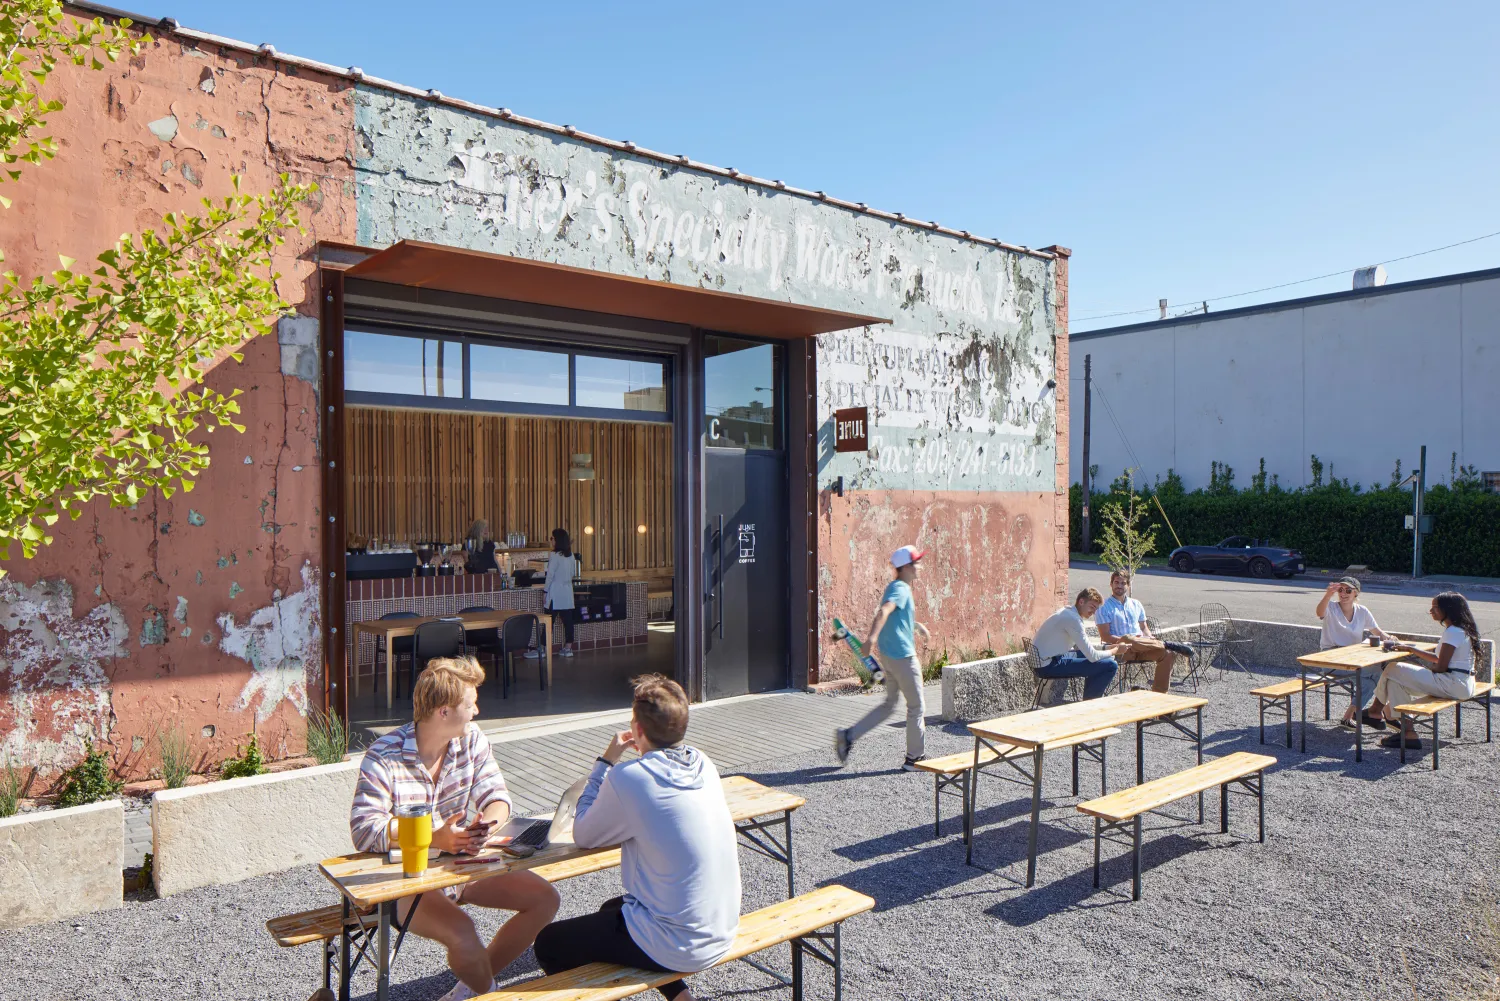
x: 1333, y: 526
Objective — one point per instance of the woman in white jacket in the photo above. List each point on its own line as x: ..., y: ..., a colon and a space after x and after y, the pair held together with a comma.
x: 557, y: 591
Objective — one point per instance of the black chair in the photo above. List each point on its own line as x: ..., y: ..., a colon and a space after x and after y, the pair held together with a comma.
x: 515, y: 638
x: 401, y: 646
x: 439, y: 638
x: 483, y: 641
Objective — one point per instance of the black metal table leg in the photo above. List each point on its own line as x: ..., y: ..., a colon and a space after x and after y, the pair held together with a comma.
x: 1303, y: 676
x: 1140, y: 752
x: 1036, y: 813
x: 1289, y: 722
x: 1260, y: 799
x: 973, y: 783
x: 1198, y: 742
x: 791, y: 871
x: 1359, y: 715
x: 383, y: 952
x: 344, y: 933
x: 1224, y: 808
x: 796, y: 969
x: 1135, y: 862
x: 1096, y: 852
x: 838, y: 962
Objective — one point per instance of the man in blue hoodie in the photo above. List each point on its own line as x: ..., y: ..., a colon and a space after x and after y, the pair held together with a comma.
x: 679, y: 863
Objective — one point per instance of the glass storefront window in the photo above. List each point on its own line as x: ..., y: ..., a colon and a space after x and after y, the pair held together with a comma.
x: 411, y: 366
x: 620, y: 384
x: 516, y: 375
x: 740, y: 393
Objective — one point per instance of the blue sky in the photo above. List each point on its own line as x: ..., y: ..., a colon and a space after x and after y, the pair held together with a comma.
x: 1186, y: 151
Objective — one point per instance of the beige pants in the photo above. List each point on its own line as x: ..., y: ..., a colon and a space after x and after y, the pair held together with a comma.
x: 1402, y: 683
x: 1140, y: 648
x: 903, y: 679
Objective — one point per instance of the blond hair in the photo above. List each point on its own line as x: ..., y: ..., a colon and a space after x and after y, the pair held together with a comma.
x: 660, y: 706
x: 443, y: 683
x: 1089, y: 594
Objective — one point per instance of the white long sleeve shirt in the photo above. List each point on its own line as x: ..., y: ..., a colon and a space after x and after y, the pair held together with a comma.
x: 1063, y: 631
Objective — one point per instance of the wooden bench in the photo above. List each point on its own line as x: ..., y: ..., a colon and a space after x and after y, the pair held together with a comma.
x: 953, y: 769
x: 1122, y: 810
x: 326, y: 924
x: 799, y: 921
x: 1278, y: 698
x: 1424, y: 713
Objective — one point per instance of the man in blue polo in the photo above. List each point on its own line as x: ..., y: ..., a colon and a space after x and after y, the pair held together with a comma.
x: 892, y: 637
x: 1122, y: 620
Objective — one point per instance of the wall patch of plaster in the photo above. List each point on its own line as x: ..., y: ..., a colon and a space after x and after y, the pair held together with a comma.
x: 53, y: 658
x: 281, y: 643
x: 298, y: 337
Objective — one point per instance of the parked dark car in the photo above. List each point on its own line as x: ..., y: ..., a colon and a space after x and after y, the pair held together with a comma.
x: 1239, y: 553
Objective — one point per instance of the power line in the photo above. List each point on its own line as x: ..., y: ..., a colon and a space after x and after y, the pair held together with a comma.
x: 1302, y: 281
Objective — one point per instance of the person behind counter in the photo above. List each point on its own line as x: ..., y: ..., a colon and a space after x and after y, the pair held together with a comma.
x: 481, y: 547
x: 558, y: 590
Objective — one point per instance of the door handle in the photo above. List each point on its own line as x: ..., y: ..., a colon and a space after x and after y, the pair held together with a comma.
x: 719, y: 586
x: 715, y: 595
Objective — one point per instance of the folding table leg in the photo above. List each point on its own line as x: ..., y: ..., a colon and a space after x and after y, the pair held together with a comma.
x: 796, y: 969
x: 1288, y: 722
x: 1075, y: 769
x: 791, y: 871
x: 1359, y: 715
x: 1262, y: 702
x: 1458, y: 720
x: 1260, y: 799
x: 344, y: 953
x: 937, y: 809
x: 383, y: 952
x: 1096, y: 852
x: 1198, y: 742
x: 1304, y: 712
x: 838, y: 962
x: 1224, y: 808
x: 1036, y: 813
x: 1135, y: 862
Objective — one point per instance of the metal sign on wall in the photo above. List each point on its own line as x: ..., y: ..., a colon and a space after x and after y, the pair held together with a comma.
x: 851, y: 429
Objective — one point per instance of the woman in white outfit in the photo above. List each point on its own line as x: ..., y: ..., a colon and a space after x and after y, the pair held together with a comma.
x: 557, y: 591
x: 1449, y: 673
x: 1345, y: 621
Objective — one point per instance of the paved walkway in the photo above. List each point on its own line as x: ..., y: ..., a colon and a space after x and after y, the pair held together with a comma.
x: 733, y: 734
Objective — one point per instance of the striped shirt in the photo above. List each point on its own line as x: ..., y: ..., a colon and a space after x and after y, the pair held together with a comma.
x: 393, y: 775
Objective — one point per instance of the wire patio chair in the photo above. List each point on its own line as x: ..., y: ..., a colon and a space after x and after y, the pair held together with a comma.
x: 1219, y: 638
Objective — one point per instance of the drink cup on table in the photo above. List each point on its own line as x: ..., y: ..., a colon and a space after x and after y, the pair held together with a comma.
x: 414, y: 835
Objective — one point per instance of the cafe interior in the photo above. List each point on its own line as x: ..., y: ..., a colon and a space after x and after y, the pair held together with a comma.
x: 462, y: 456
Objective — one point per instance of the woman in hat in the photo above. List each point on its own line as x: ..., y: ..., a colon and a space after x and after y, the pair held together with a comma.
x: 1345, y: 622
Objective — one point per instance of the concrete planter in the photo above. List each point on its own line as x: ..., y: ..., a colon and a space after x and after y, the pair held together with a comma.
x: 223, y: 832
x: 984, y: 689
x: 57, y: 864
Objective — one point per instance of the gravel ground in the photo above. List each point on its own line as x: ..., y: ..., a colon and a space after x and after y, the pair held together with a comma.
x: 1369, y: 871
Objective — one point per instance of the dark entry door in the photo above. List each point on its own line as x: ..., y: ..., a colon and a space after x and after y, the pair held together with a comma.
x: 746, y: 570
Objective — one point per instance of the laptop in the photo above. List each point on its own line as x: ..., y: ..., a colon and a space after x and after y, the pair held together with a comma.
x: 542, y: 832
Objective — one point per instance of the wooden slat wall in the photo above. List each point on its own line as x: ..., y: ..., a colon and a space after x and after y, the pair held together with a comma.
x: 414, y: 475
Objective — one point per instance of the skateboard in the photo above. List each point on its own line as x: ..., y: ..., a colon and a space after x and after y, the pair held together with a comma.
x: 841, y: 632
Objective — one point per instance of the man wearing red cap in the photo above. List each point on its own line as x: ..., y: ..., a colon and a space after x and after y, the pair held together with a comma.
x: 891, y: 637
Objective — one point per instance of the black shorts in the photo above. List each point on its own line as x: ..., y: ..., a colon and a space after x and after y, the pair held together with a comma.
x: 601, y: 937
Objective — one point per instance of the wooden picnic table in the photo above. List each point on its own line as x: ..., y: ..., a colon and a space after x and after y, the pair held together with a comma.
x: 1344, y: 667
x: 390, y: 629
x: 1037, y: 728
x: 366, y: 882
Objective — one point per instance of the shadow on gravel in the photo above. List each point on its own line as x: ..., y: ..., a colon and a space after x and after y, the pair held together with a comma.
x: 911, y: 876
x: 1076, y: 891
x: 913, y: 837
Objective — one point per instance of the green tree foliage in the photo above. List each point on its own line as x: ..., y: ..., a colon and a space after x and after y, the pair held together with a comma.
x: 1335, y: 524
x: 1127, y: 537
x: 99, y: 367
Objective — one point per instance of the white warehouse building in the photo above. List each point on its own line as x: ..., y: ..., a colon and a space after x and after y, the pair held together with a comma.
x: 1359, y: 379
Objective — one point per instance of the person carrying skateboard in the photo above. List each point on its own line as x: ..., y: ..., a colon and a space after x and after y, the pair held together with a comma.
x: 892, y: 638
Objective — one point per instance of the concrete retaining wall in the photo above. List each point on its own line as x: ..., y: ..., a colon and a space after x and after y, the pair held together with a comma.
x: 227, y: 831
x: 984, y: 689
x: 60, y: 863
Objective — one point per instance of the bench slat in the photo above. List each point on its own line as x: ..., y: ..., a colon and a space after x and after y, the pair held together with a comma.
x: 952, y: 764
x: 758, y: 930
x: 1289, y: 687
x: 1128, y: 803
x: 1432, y: 704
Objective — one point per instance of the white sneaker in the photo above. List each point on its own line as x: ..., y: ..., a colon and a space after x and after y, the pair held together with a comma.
x: 566, y: 652
x: 461, y: 992
x: 533, y: 655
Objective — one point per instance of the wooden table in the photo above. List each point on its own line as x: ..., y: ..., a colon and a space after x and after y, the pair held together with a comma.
x: 1334, y: 667
x: 1036, y: 728
x: 390, y: 629
x: 367, y: 882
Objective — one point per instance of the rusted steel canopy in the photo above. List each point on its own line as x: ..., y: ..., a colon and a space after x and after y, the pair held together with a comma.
x: 474, y: 272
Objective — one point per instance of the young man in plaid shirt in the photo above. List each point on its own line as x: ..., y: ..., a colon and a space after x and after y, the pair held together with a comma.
x: 443, y: 760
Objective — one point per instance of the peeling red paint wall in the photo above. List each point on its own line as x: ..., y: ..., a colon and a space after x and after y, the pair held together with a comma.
x: 181, y: 612
x: 989, y: 572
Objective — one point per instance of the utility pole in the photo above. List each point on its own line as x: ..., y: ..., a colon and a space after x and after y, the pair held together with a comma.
x: 1421, y: 489
x: 1088, y: 393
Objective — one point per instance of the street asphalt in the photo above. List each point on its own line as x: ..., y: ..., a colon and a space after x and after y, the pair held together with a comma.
x: 1172, y: 598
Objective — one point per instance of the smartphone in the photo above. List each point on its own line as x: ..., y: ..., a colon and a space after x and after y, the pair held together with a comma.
x: 517, y: 851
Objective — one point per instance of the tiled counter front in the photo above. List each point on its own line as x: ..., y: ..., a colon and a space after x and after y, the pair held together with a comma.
x: 370, y: 599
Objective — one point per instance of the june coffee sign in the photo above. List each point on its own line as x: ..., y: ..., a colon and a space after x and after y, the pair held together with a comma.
x: 851, y: 429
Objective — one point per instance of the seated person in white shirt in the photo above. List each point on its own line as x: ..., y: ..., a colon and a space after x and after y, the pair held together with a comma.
x: 1448, y: 672
x: 1345, y: 622
x: 1064, y: 649
x: 1122, y: 619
